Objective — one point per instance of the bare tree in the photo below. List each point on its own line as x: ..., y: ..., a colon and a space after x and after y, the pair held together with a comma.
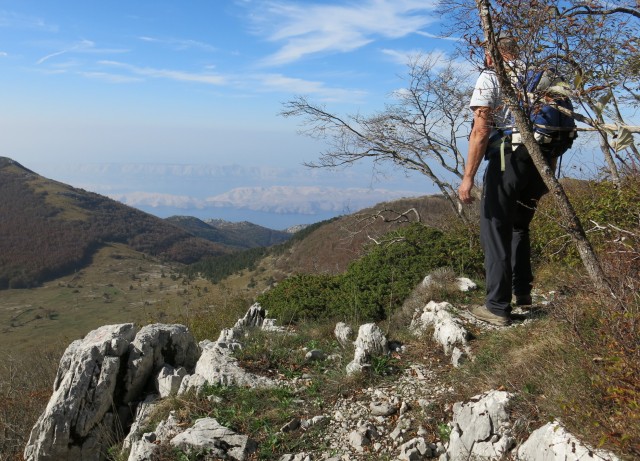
x: 420, y: 130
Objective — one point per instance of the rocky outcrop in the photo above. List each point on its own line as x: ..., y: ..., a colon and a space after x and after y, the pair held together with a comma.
x: 370, y: 342
x: 448, y: 330
x: 101, y: 378
x: 115, y: 372
x: 218, y: 366
x: 552, y: 442
x: 480, y: 429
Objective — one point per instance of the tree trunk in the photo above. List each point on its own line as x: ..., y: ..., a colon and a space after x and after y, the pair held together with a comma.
x: 569, y: 220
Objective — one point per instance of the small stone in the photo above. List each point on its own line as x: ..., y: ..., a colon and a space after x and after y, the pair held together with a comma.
x: 291, y: 426
x: 382, y: 409
x: 315, y: 355
x: 358, y: 441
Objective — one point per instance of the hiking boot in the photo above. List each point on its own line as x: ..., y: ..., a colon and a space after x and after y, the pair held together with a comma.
x: 523, y: 300
x: 482, y: 313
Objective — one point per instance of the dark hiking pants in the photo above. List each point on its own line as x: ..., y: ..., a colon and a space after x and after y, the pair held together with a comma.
x: 508, y: 203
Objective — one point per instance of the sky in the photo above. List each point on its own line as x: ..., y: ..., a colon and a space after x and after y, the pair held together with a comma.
x: 173, y: 107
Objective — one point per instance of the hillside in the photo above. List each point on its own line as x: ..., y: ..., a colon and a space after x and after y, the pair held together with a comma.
x: 330, y: 248
x: 240, y: 235
x: 49, y: 229
x: 326, y: 247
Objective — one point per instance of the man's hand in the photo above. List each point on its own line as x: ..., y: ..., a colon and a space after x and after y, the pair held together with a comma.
x: 464, y: 191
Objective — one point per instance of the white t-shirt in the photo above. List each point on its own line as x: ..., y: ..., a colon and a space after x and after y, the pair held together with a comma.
x: 487, y: 93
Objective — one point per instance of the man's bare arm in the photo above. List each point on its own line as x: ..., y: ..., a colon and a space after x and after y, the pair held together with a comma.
x: 478, y: 142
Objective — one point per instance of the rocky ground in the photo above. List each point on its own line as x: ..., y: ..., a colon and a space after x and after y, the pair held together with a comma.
x: 410, y: 416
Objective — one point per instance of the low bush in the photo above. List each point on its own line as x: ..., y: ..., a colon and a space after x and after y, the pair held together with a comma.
x: 375, y: 285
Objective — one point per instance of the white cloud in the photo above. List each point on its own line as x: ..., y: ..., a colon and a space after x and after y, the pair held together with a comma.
x: 83, y: 46
x: 303, y: 200
x: 21, y: 21
x: 308, y: 200
x: 306, y: 29
x: 439, y: 37
x: 282, y: 83
x: 178, y: 75
x: 111, y: 78
x: 179, y: 44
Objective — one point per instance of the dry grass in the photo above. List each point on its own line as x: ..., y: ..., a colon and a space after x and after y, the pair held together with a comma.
x: 25, y: 388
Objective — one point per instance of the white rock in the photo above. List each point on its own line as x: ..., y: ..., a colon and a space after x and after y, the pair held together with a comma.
x: 169, y: 379
x: 79, y: 421
x: 143, y: 449
x: 208, y: 435
x: 153, y: 347
x: 415, y: 450
x: 458, y: 357
x: 382, y: 408
x: 448, y: 330
x: 82, y: 396
x: 370, y: 342
x: 465, y: 284
x: 344, y: 334
x: 552, y: 442
x: 462, y: 283
x: 143, y: 413
x: 474, y: 426
x: 217, y: 366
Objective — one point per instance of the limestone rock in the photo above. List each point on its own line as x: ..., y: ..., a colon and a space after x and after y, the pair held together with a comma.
x: 143, y: 414
x: 146, y: 447
x: 370, y: 342
x: 169, y: 379
x: 344, y: 334
x: 153, y: 347
x: 415, y: 450
x: 209, y: 436
x: 447, y: 329
x: 82, y: 395
x: 99, y: 378
x: 383, y: 408
x: 461, y: 283
x: 465, y: 284
x: 480, y: 429
x: 552, y: 442
x: 298, y: 457
x: 218, y: 366
x: 256, y: 317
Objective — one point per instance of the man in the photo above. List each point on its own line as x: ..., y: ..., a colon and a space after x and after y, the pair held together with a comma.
x: 512, y: 187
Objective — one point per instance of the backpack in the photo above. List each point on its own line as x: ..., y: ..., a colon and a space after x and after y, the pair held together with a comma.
x: 540, y: 93
x: 554, y: 130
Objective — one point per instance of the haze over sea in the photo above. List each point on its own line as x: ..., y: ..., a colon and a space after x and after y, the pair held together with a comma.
x: 172, y: 107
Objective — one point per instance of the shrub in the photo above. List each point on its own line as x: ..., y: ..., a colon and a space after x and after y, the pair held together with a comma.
x: 304, y: 297
x: 605, y: 210
x: 375, y: 285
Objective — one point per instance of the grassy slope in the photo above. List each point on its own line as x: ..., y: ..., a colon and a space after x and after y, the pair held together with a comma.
x: 119, y: 286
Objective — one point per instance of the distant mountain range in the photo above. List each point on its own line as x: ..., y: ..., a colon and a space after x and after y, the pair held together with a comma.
x: 48, y: 229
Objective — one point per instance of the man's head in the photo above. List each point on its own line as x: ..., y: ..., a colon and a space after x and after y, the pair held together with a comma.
x: 507, y: 47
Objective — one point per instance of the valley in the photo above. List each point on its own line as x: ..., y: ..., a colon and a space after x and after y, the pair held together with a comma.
x: 119, y: 286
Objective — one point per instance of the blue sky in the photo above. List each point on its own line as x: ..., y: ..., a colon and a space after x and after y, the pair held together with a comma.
x: 173, y: 106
